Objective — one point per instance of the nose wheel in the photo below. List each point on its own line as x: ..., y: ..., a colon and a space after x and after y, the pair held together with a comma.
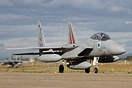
x: 95, y: 63
x: 96, y: 70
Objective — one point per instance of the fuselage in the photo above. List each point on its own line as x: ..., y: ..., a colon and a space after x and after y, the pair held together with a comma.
x: 105, y: 48
x: 97, y: 45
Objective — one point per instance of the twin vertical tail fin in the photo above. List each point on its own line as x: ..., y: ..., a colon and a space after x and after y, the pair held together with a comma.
x: 71, y: 39
x: 41, y: 38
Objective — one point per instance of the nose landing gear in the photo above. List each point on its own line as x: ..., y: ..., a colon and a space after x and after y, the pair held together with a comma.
x: 95, y: 62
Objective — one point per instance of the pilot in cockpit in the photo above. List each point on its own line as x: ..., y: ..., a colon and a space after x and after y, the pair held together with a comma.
x: 100, y: 36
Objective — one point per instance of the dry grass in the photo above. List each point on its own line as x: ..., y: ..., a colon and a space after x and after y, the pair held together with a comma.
x: 116, y: 68
x: 39, y: 67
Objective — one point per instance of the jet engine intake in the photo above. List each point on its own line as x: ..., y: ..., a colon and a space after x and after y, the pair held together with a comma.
x: 49, y: 57
x: 108, y: 59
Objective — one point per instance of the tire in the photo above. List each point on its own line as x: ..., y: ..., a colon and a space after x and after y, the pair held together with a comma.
x: 87, y: 70
x: 96, y: 70
x: 61, y: 69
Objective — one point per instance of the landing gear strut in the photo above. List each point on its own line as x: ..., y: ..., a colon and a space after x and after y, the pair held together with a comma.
x: 61, y: 69
x: 95, y: 62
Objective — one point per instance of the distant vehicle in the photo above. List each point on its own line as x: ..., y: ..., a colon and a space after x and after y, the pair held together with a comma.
x: 98, y: 48
x: 12, y: 63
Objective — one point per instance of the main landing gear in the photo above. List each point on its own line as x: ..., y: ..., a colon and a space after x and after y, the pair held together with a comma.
x: 87, y: 70
x: 61, y: 68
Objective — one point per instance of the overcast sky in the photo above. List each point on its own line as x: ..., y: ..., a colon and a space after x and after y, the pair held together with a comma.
x: 18, y: 21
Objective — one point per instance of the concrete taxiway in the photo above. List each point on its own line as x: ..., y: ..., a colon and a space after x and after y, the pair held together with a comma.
x: 64, y: 80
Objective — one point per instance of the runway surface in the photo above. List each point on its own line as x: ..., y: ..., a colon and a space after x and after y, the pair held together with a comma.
x: 64, y: 80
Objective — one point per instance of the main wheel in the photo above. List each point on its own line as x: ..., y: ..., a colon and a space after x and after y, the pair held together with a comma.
x: 61, y: 69
x: 87, y: 70
x: 96, y: 70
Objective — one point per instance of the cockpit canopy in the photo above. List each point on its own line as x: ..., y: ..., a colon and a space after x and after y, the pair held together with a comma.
x: 100, y: 36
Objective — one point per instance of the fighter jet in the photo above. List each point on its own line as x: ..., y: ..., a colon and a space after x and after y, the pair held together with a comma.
x: 98, y: 48
x: 12, y: 63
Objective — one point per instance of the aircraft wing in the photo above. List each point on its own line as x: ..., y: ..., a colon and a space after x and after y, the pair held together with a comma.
x: 44, y: 50
x: 34, y: 48
x: 56, y: 50
x: 32, y: 53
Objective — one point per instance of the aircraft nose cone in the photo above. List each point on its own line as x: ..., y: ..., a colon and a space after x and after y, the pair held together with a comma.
x: 117, y: 49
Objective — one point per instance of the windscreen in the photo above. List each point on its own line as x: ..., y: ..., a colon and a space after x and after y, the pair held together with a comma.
x: 100, y: 36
